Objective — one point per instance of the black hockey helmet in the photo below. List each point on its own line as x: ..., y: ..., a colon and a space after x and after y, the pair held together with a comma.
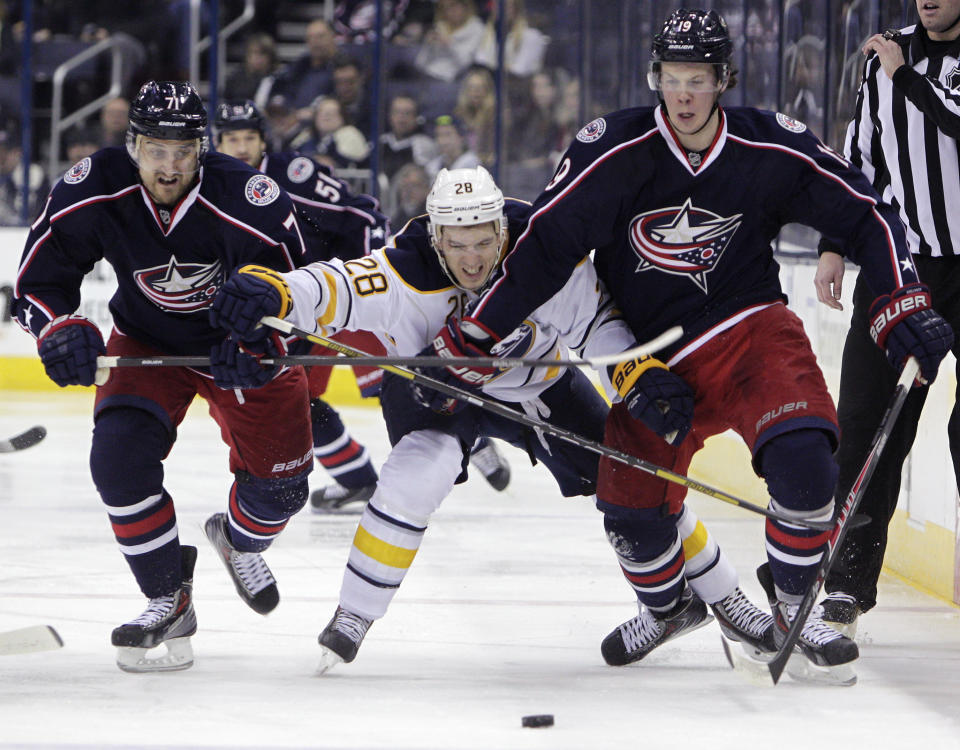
x: 239, y: 115
x: 168, y: 110
x: 693, y: 36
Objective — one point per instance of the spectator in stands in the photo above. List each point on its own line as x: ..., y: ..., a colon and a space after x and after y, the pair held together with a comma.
x: 803, y: 92
x: 114, y: 118
x: 80, y: 142
x: 255, y: 78
x: 408, y: 194
x: 452, y: 42
x: 349, y: 88
x: 524, y: 46
x: 452, y: 151
x: 285, y: 127
x: 11, y: 182
x: 404, y: 142
x: 477, y: 109
x: 354, y: 20
x: 542, y: 139
x: 311, y: 74
x: 331, y: 140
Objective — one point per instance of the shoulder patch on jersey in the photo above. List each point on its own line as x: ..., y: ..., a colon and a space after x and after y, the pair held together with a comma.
x: 788, y: 123
x: 78, y: 172
x: 300, y: 169
x: 261, y: 190
x: 592, y: 130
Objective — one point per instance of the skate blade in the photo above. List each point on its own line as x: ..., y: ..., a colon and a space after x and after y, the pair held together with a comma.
x: 801, y: 669
x: 328, y: 660
x: 849, y: 629
x: 179, y: 656
x: 748, y: 662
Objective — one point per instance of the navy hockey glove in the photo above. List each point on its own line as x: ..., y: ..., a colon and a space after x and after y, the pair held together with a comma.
x: 657, y: 397
x: 904, y: 324
x: 450, y: 342
x: 69, y: 347
x: 248, y: 295
x: 237, y: 364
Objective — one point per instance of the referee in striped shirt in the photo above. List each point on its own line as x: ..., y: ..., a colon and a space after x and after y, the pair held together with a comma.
x: 904, y: 137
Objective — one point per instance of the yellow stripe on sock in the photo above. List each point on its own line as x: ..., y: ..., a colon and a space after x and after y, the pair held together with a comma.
x: 381, y: 551
x: 694, y: 544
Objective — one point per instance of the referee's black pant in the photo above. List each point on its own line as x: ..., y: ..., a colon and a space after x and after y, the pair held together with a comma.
x: 866, y: 384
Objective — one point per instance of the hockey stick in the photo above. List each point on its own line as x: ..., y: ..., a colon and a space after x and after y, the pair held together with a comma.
x: 24, y: 440
x: 841, y: 525
x: 28, y: 640
x: 571, y: 437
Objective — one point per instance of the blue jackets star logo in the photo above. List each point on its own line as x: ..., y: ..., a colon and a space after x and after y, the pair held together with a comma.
x: 681, y: 240
x: 181, y: 287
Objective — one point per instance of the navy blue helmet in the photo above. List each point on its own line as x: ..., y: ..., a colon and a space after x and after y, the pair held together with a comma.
x: 239, y: 115
x: 693, y: 36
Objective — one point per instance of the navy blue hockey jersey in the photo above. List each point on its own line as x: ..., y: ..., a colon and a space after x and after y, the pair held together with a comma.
x: 678, y: 244
x: 169, y: 262
x: 336, y: 222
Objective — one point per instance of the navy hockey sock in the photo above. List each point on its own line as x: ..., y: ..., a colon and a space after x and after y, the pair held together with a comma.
x: 343, y: 457
x: 651, y: 557
x: 260, y: 508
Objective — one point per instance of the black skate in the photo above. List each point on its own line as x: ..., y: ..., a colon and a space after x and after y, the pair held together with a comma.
x: 494, y: 467
x: 636, y: 638
x: 336, y: 498
x: 169, y: 620
x: 250, y: 574
x: 341, y: 639
x: 825, y: 654
x: 742, y: 621
x: 840, y: 611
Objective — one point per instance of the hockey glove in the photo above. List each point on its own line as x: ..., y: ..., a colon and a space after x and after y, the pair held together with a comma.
x: 248, y: 295
x: 237, y: 364
x: 657, y: 397
x: 69, y: 347
x: 450, y: 342
x: 904, y: 324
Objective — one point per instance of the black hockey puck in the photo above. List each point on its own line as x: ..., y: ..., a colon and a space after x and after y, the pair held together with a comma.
x: 537, y: 720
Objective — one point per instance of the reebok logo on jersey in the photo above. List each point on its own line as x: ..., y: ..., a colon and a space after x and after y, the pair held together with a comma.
x: 681, y: 240
x: 180, y: 287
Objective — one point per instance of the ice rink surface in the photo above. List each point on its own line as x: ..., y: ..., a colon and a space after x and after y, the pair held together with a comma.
x: 501, y: 616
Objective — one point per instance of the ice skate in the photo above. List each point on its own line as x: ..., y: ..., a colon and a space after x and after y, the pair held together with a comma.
x: 341, y: 639
x: 494, y: 467
x: 636, y: 638
x: 822, y: 654
x: 250, y: 574
x: 840, y: 611
x: 744, y: 624
x: 336, y: 498
x: 168, y: 620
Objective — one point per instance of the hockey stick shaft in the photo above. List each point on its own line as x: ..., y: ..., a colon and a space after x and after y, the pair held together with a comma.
x: 842, y: 524
x: 571, y: 437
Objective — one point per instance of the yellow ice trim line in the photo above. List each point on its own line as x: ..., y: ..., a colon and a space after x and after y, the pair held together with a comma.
x: 381, y: 551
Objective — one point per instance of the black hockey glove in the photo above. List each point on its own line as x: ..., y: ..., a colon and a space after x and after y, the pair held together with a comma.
x: 68, y: 347
x: 450, y: 342
x: 248, y: 295
x: 904, y: 324
x: 657, y: 397
x: 237, y: 364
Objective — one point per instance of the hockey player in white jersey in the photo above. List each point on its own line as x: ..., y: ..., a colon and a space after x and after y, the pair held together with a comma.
x: 431, y: 273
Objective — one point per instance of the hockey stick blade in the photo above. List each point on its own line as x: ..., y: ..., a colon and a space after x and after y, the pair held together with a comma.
x: 569, y: 436
x: 24, y: 440
x: 29, y: 640
x: 844, y: 517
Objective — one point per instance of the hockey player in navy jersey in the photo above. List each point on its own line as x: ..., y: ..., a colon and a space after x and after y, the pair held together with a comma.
x: 680, y: 203
x: 336, y: 223
x: 430, y: 273
x: 173, y: 221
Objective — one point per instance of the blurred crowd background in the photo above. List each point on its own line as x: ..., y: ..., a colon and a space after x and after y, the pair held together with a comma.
x: 504, y: 83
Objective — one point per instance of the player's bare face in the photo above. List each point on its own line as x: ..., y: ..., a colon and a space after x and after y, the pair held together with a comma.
x: 167, y: 168
x: 689, y: 91
x: 941, y: 18
x: 245, y: 145
x: 471, y: 253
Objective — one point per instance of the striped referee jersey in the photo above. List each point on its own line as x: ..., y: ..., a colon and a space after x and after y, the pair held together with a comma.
x: 904, y: 138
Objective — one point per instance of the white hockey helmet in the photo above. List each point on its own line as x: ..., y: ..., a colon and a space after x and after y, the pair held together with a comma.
x: 464, y: 198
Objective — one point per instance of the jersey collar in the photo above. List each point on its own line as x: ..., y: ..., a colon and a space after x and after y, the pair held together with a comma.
x: 177, y: 212
x: 673, y: 143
